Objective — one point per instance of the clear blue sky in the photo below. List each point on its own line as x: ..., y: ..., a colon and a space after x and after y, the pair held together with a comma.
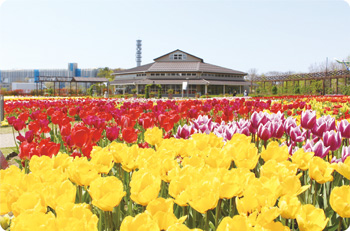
x: 279, y: 35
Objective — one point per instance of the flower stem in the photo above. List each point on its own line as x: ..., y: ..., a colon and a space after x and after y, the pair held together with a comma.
x: 340, y: 223
x: 206, y: 221
x: 218, y: 207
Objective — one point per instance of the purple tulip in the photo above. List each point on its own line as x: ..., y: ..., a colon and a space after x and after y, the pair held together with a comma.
x: 254, y: 120
x: 345, y: 153
x: 292, y: 149
x: 277, y: 117
x: 265, y: 131
x: 277, y: 129
x: 112, y: 133
x: 308, y: 119
x: 332, y: 140
x: 330, y: 122
x: 344, y: 129
x: 319, y: 127
x: 308, y: 146
x: 244, y: 131
x: 226, y: 131
x: 184, y: 132
x: 320, y: 149
x: 289, y: 123
x: 335, y: 160
x: 203, y: 124
x: 296, y: 135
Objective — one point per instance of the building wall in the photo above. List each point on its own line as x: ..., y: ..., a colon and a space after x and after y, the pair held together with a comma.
x: 7, y: 77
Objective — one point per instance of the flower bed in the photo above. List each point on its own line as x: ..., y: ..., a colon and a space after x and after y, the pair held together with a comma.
x: 213, y: 164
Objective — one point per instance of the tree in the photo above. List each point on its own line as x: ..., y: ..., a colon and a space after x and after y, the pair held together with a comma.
x: 252, y: 74
x: 105, y: 73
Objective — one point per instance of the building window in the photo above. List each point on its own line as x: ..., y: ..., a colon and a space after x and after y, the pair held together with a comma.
x: 178, y: 56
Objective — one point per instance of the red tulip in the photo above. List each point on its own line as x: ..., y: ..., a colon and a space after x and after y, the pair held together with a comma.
x: 129, y: 135
x: 27, y: 150
x: 112, y: 133
x: 80, y: 135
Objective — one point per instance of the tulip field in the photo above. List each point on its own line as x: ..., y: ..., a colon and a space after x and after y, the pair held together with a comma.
x: 274, y: 163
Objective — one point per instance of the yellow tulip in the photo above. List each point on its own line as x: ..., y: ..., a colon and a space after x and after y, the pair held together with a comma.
x: 62, y: 160
x: 102, y: 159
x: 320, y: 170
x: 161, y: 211
x: 215, y: 158
x: 204, y: 195
x: 280, y: 169
x: 275, y: 152
x: 194, y: 161
x: 144, y: 187
x: 154, y: 136
x: 59, y: 193
x: 29, y: 201
x: 343, y: 168
x: 117, y: 149
x: 69, y: 214
x: 40, y: 165
x: 106, y: 192
x: 290, y: 206
x: 248, y: 203
x: 310, y: 218
x: 237, y: 223
x: 82, y: 172
x: 291, y: 186
x: 247, y: 159
x: 234, y: 181
x: 38, y: 221
x: 340, y: 200
x: 129, y: 157
x: 302, y: 159
x: 179, y: 184
x: 266, y: 216
x: 141, y: 222
x: 181, y: 227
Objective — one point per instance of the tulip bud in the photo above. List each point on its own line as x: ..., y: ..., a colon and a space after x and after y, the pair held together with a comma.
x: 332, y: 140
x: 308, y: 119
x: 320, y: 150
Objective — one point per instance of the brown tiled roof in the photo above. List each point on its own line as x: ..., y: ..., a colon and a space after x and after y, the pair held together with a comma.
x: 89, y: 79
x: 174, y: 66
x: 142, y: 68
x: 206, y: 67
x: 180, y: 67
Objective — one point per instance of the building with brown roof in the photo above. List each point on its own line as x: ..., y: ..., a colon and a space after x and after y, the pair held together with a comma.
x: 173, y: 69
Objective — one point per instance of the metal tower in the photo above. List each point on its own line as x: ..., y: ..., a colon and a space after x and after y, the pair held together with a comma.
x: 138, y: 52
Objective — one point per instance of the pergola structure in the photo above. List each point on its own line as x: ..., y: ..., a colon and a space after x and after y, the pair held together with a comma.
x: 70, y: 80
x: 328, y: 75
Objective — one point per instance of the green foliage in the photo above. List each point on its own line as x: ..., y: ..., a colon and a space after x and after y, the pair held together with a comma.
x: 50, y: 91
x: 345, y: 90
x: 105, y: 73
x: 148, y: 86
x: 170, y: 91
x: 274, y: 90
x: 296, y: 90
x: 316, y: 86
